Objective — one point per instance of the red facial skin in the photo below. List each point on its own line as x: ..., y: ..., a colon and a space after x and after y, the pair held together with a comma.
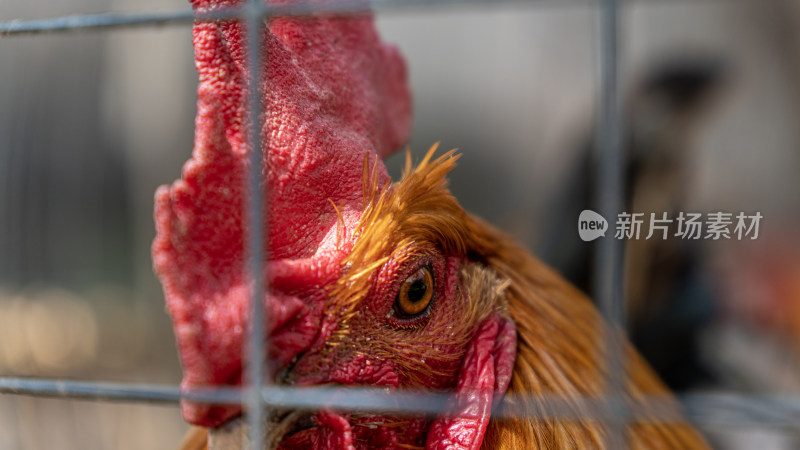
x: 354, y: 363
x: 332, y: 92
x: 479, y: 376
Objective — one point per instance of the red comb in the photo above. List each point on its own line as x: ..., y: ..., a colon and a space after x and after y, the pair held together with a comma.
x: 332, y: 92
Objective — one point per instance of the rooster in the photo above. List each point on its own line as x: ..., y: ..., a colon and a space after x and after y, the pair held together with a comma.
x: 369, y: 283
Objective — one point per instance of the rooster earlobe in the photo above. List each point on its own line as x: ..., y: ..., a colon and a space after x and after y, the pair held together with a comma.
x: 482, y: 381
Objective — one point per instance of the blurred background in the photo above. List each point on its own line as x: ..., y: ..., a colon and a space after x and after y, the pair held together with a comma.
x: 92, y: 122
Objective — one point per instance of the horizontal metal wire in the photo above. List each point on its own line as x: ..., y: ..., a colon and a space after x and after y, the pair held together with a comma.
x: 732, y: 410
x: 85, y: 390
x: 127, y: 20
x: 99, y: 21
x: 124, y: 20
x: 722, y: 409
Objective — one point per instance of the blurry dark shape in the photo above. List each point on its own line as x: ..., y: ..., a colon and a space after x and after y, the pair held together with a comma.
x: 64, y: 214
x: 668, y: 301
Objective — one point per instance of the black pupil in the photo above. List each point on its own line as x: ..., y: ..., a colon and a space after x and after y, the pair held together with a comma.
x: 417, y: 290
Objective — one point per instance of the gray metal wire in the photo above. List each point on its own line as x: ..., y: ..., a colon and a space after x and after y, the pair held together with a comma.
x: 257, y: 398
x: 608, y: 257
x: 121, y: 20
x: 257, y: 363
x: 721, y: 409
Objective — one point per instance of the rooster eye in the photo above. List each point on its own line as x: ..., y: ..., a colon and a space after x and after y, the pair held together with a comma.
x: 415, y: 294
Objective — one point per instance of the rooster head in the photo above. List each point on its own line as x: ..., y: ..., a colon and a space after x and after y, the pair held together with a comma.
x: 367, y: 283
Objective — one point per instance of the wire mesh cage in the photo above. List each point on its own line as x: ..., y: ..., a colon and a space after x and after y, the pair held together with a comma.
x: 720, y: 322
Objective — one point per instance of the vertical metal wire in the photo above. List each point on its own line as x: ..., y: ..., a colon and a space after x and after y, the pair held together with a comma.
x: 256, y: 360
x: 608, y: 257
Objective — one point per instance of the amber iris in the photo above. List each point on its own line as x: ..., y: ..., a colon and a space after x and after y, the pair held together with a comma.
x: 416, y: 293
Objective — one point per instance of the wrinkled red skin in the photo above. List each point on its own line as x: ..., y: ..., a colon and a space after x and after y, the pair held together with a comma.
x: 332, y: 92
x: 486, y: 372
